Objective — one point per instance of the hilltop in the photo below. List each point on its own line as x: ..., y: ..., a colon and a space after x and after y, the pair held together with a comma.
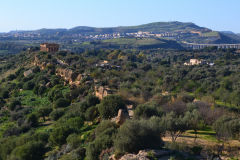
x: 177, y: 31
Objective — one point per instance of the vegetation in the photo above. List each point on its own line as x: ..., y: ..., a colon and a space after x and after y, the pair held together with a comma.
x: 53, y: 113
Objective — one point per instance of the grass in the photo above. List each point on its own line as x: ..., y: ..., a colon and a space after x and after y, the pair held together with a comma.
x: 4, y: 126
x: 210, y: 34
x: 28, y: 98
x: 206, y: 134
x: 135, y: 42
x: 228, y: 105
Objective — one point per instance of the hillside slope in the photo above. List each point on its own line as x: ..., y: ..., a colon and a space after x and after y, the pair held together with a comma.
x: 179, y: 31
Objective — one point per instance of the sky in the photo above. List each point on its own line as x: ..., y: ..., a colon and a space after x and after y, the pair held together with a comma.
x: 220, y: 15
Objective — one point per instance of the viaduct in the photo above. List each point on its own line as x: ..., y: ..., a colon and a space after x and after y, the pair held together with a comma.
x: 201, y: 46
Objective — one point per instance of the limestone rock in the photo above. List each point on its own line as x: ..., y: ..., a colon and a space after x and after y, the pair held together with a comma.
x: 121, y: 117
x: 102, y: 92
x: 27, y: 73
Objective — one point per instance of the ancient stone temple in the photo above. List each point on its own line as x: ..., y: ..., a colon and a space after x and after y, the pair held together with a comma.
x: 49, y: 47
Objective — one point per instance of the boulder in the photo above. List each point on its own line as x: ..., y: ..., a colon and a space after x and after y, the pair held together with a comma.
x: 27, y: 73
x: 121, y: 117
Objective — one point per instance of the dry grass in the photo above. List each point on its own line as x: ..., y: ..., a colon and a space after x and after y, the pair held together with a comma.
x: 231, y: 148
x: 11, y: 71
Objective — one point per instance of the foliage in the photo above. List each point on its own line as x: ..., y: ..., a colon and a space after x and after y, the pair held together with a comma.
x: 136, y: 135
x: 110, y: 105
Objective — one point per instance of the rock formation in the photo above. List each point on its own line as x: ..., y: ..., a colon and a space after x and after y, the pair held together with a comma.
x: 102, y: 92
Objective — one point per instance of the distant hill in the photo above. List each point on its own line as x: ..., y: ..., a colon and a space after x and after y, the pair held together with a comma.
x: 227, y: 32
x: 179, y: 31
x: 132, y: 43
x: 151, y: 27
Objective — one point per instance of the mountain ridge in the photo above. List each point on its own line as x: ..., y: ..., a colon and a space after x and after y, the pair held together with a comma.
x: 178, y: 31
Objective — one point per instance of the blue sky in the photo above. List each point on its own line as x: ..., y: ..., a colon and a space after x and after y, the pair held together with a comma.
x: 34, y: 14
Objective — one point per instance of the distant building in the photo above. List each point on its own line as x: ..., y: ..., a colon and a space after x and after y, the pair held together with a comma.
x: 49, y: 47
x: 193, y: 62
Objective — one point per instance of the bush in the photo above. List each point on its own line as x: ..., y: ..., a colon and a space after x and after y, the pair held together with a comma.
x: 91, y: 113
x: 32, y: 119
x: 104, y: 139
x: 44, y: 111
x: 135, y: 135
x: 28, y: 85
x: 13, y: 104
x: 74, y: 141
x: 59, y: 134
x: 56, y: 114
x: 62, y: 102
x: 75, y: 123
x: 92, y: 100
x: 109, y: 106
x: 147, y: 111
x: 5, y: 94
x: 11, y: 77
x: 31, y: 150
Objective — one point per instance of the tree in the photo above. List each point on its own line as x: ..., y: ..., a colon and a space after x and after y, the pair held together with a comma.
x: 5, y: 94
x: 28, y: 85
x: 62, y: 102
x: 29, y: 151
x: 110, y: 105
x: 75, y: 123
x: 135, y: 135
x: 13, y: 104
x: 174, y: 124
x: 193, y: 120
x: 44, y: 111
x: 227, y: 127
x: 147, y: 111
x: 104, y: 132
x: 57, y: 113
x: 32, y: 119
x: 59, y: 134
x: 91, y: 113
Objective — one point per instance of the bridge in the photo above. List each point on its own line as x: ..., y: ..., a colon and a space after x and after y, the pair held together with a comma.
x: 201, y: 46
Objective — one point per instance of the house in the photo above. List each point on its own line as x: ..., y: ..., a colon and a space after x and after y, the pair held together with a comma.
x: 193, y: 62
x: 49, y: 47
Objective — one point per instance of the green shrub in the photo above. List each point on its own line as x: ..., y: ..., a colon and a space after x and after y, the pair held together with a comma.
x: 147, y: 111
x: 61, y: 102
x: 11, y: 77
x: 74, y: 140
x: 28, y: 85
x: 105, y: 133
x: 135, y: 135
x: 29, y: 151
x: 109, y: 106
x: 5, y: 94
x: 59, y: 135
x: 56, y: 114
x: 91, y: 113
x: 44, y: 111
x: 32, y: 119
x: 75, y: 123
x: 13, y: 104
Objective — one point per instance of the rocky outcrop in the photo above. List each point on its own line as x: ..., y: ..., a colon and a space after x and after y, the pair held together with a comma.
x: 130, y: 111
x: 38, y: 63
x: 27, y: 73
x: 121, y: 117
x: 144, y: 155
x: 70, y: 76
x: 102, y: 91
